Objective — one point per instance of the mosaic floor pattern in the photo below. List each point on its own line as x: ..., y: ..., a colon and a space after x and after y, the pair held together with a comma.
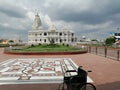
x: 35, y: 70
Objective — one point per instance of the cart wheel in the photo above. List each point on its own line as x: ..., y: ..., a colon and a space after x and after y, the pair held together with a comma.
x: 88, y: 86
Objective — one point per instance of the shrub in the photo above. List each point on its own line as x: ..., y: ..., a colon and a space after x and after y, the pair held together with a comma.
x: 39, y: 44
x: 32, y: 45
x: 67, y: 45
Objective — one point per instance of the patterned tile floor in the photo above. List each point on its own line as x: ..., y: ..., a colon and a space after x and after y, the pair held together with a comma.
x: 35, y: 70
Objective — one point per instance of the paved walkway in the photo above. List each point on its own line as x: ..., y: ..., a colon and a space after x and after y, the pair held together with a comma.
x: 106, y: 72
x: 36, y: 70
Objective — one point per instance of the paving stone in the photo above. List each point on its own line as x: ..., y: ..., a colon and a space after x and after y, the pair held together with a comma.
x: 37, y: 70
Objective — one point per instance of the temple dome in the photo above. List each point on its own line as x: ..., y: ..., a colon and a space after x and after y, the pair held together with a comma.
x: 52, y: 27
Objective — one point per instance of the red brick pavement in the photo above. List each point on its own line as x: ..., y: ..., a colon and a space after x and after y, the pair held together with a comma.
x: 105, y: 72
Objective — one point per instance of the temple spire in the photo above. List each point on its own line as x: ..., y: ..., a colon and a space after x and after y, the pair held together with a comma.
x: 37, y: 24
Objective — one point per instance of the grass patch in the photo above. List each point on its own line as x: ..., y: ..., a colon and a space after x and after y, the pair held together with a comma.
x: 47, y: 48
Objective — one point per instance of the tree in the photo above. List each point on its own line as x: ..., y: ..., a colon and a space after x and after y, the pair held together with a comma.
x: 110, y: 40
x: 11, y: 41
x: 51, y: 40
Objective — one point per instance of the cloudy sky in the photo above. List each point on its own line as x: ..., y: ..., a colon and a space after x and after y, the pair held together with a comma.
x: 94, y: 19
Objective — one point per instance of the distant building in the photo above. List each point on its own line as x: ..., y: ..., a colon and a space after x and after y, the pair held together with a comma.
x: 117, y: 37
x: 16, y: 41
x: 40, y: 36
x: 3, y: 41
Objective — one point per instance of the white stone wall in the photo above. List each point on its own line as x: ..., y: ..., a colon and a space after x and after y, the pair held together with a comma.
x: 44, y: 37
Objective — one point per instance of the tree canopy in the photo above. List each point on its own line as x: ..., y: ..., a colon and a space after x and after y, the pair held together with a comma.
x: 109, y: 41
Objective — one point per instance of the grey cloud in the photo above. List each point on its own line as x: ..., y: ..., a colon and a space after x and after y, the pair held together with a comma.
x: 87, y: 12
x: 97, y: 12
x: 12, y: 11
x: 10, y: 33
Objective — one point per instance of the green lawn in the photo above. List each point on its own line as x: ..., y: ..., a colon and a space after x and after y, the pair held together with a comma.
x: 48, y: 48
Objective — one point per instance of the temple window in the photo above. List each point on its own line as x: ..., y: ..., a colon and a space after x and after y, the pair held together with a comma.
x: 35, y: 39
x: 36, y: 34
x: 60, y: 34
x: 45, y: 34
x: 44, y: 40
x: 72, y: 34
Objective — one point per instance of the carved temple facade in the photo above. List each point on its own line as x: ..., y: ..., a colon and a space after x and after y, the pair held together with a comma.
x: 40, y: 36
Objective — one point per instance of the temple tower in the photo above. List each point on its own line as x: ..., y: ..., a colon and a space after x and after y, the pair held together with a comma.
x: 37, y: 24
